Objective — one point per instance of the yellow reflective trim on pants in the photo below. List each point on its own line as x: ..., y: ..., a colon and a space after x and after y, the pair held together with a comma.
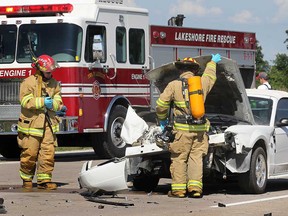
x: 43, y: 176
x: 25, y: 176
x: 35, y: 131
x: 194, y: 183
x: 32, y: 131
x: 178, y: 187
x: 196, y: 128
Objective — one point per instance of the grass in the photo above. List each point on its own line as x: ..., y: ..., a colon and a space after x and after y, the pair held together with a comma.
x: 59, y: 149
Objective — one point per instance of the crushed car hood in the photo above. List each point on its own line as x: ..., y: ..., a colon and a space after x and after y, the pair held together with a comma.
x: 227, y: 97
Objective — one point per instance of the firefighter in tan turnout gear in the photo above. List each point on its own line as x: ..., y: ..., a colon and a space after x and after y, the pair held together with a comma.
x: 190, y: 144
x: 40, y: 100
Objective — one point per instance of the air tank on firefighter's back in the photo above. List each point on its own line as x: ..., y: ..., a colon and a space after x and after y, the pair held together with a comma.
x: 196, y: 98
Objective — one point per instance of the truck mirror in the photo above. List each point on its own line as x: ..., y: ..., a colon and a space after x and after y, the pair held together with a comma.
x: 97, y: 48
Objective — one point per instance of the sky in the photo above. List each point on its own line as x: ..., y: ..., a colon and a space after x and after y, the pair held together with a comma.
x: 267, y: 18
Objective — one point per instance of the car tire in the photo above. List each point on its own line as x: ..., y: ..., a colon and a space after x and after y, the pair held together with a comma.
x: 145, y: 182
x: 255, y: 180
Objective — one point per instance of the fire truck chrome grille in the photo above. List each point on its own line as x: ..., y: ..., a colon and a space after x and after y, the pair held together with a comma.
x: 9, y: 92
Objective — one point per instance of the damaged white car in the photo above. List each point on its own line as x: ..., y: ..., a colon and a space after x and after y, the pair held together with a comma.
x: 248, y: 138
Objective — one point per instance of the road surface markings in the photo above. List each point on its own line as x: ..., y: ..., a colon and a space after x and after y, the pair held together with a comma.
x: 251, y: 201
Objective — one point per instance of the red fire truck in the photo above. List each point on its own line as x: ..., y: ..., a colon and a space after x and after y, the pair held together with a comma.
x: 104, y: 48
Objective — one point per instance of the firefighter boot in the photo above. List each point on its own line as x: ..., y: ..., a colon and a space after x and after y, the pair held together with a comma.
x: 27, y: 185
x: 195, y: 194
x: 177, y: 194
x: 47, y: 186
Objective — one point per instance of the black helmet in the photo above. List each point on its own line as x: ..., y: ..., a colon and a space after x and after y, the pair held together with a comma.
x: 188, y: 63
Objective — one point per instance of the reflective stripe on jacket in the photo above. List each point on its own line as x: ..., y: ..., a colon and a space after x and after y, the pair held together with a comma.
x: 32, y: 117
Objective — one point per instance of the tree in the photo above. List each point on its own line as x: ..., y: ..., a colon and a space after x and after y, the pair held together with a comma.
x: 261, y: 64
x: 279, y: 72
x: 286, y: 41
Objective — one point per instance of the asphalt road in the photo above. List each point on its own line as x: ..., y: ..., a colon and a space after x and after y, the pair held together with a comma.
x: 219, y: 200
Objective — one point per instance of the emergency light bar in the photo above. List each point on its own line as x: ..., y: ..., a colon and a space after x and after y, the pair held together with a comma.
x: 35, y: 9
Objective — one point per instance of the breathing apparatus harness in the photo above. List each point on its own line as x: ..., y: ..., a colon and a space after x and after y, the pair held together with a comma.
x: 194, y: 101
x: 193, y: 95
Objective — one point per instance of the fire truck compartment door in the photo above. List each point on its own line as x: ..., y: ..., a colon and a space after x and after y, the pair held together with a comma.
x: 107, y: 176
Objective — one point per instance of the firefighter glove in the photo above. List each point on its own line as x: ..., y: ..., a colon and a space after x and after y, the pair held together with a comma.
x: 62, y: 111
x: 163, y: 123
x: 216, y: 58
x: 48, y: 102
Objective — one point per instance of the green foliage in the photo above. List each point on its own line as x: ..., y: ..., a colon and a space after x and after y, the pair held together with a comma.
x: 261, y: 64
x: 61, y: 149
x: 279, y: 73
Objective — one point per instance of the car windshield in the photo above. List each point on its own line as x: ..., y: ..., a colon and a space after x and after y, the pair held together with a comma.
x: 261, y: 109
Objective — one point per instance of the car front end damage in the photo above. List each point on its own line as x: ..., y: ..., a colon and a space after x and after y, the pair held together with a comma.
x: 232, y: 133
x: 226, y: 154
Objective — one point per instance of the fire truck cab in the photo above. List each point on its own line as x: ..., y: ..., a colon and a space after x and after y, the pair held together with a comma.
x: 104, y: 48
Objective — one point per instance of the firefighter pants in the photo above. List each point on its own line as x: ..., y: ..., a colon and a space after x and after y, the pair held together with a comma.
x: 187, y: 152
x: 37, y: 154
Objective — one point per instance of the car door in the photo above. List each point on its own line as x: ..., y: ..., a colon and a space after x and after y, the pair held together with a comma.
x: 281, y: 138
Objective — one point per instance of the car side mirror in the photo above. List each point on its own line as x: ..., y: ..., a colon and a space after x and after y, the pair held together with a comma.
x: 283, y: 122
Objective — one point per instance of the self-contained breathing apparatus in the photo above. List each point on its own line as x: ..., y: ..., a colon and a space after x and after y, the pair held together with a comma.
x: 193, y: 95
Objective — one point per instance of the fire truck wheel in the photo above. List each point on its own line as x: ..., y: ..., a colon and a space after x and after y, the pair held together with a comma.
x: 9, y: 147
x: 111, y: 144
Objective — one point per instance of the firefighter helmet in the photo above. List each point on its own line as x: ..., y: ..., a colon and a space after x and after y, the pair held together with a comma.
x: 188, y: 63
x: 45, y: 63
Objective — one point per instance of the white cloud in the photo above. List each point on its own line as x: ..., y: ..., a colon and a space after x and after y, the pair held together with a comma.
x: 281, y: 13
x: 244, y: 17
x: 131, y: 3
x: 195, y: 7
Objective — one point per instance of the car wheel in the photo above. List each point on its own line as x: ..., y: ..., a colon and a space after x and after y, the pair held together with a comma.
x: 145, y: 182
x: 255, y: 180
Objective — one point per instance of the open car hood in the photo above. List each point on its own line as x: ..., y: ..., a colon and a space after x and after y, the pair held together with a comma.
x: 228, y: 95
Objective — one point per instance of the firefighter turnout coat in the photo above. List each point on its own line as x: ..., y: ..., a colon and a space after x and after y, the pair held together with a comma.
x: 36, y: 132
x: 191, y: 142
